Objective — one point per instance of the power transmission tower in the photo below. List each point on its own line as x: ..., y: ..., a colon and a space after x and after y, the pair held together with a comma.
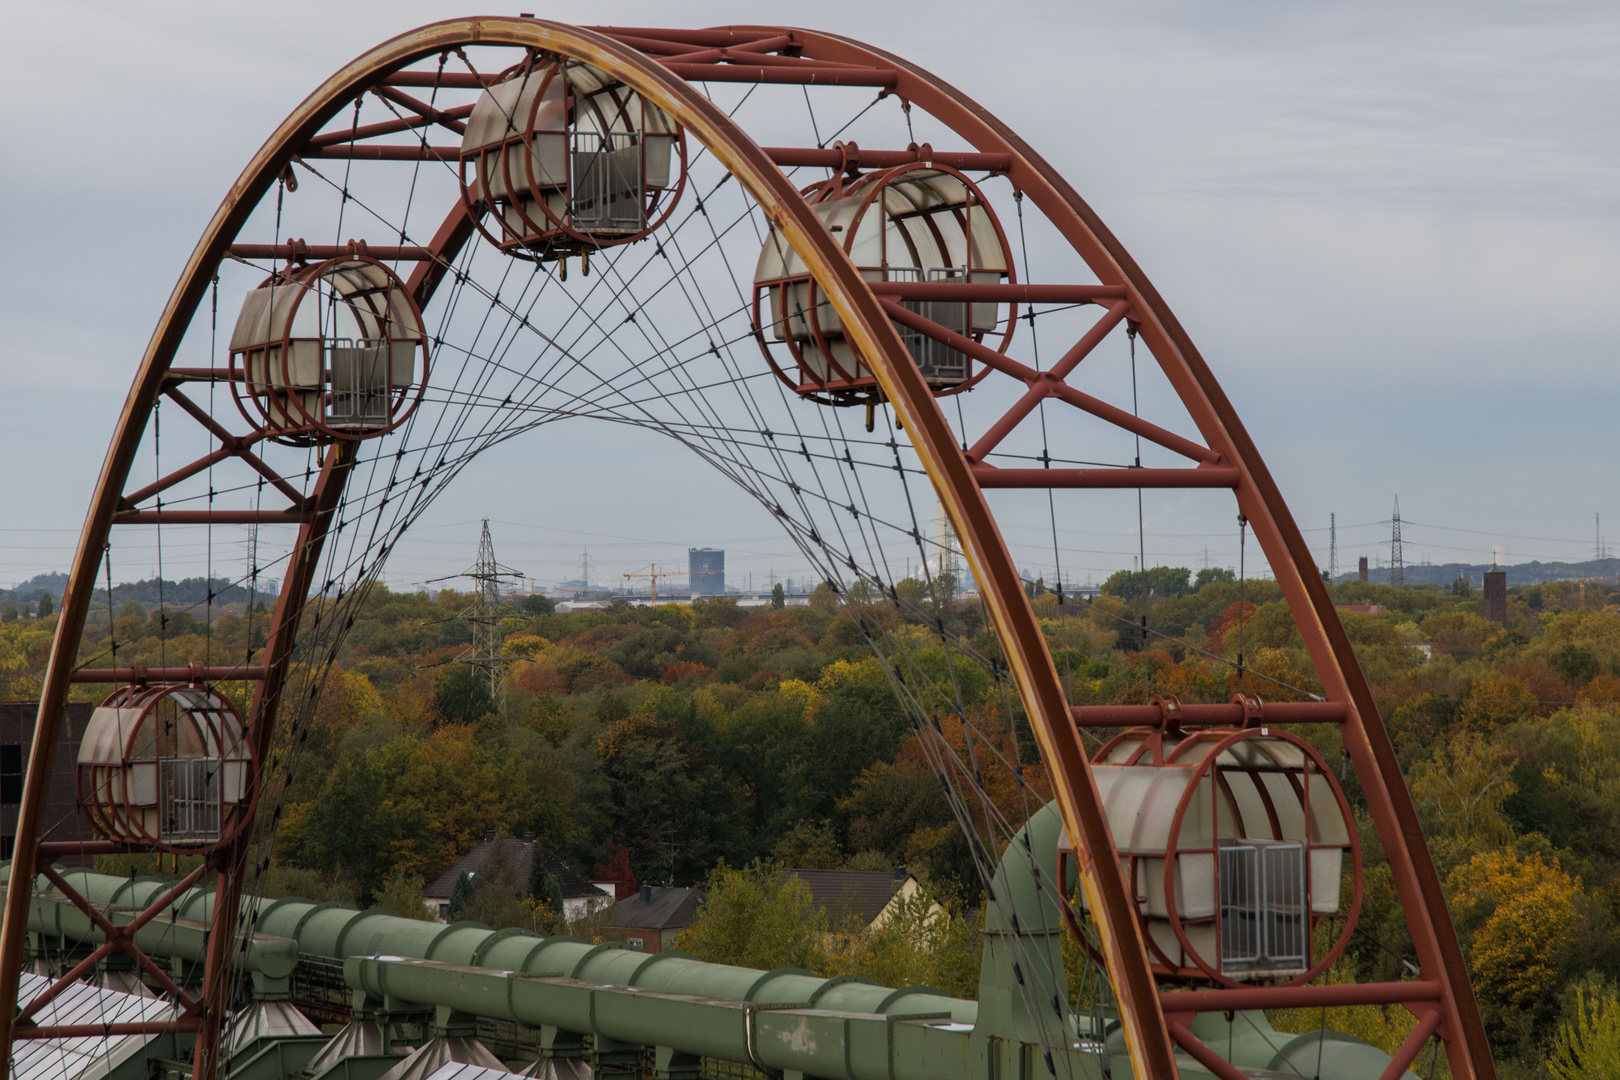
x: 252, y: 559
x: 948, y: 551
x: 1397, y: 564
x: 483, y: 615
x: 585, y: 570
x: 1333, y: 546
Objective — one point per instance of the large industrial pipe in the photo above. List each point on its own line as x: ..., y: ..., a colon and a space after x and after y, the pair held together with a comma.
x: 787, y: 1020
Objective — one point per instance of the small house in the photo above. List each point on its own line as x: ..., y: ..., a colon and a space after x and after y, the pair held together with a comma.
x: 579, y: 896
x: 652, y: 918
x: 865, y: 897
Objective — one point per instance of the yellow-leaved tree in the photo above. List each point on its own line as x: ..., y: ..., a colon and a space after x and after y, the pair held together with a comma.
x: 1522, y: 921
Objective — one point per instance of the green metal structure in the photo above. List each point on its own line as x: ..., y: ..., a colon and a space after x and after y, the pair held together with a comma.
x: 612, y: 1008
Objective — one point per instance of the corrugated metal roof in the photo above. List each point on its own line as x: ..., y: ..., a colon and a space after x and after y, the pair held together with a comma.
x: 268, y: 1019
x: 455, y: 1070
x: 89, y: 1057
x: 451, y: 1052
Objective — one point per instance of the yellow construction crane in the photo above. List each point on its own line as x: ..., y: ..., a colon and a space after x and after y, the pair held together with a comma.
x: 653, y: 575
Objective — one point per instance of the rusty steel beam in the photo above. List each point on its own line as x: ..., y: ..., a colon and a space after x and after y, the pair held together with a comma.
x: 755, y: 50
x: 297, y: 249
x: 203, y: 374
x: 1417, y: 885
x: 711, y: 36
x: 1008, y: 293
x: 114, y: 937
x: 448, y: 118
x: 53, y: 848
x: 1202, y: 1054
x: 96, y: 1031
x: 958, y: 482
x: 338, y: 462
x: 448, y: 80
x: 664, y: 45
x: 135, y: 498
x: 761, y: 73
x: 194, y: 673
x: 210, y: 517
x: 1191, y: 1002
x: 1222, y: 715
x: 240, y: 445
x: 1428, y: 1024
x: 1208, y: 476
x: 1048, y: 383
x: 790, y: 157
x: 385, y: 152
x: 1053, y: 387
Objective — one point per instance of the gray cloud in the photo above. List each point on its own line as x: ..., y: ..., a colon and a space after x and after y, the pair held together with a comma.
x: 1393, y: 228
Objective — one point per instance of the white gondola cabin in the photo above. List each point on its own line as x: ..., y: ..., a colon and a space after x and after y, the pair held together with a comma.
x: 166, y: 766
x: 560, y: 158
x: 334, y: 350
x: 1234, y: 842
x: 915, y: 223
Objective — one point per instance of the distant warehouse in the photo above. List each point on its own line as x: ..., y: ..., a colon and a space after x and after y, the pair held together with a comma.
x: 706, y: 569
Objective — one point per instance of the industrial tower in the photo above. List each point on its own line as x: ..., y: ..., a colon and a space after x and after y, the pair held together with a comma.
x: 1397, y: 566
x: 483, y: 615
x: 1333, y: 546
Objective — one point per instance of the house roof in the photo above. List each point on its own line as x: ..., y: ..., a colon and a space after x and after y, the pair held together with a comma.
x: 667, y: 909
x: 521, y: 854
x: 845, y: 893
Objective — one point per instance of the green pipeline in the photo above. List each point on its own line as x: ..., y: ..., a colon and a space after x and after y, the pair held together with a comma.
x: 786, y: 1020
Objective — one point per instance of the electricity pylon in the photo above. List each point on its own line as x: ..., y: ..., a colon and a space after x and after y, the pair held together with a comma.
x: 483, y: 615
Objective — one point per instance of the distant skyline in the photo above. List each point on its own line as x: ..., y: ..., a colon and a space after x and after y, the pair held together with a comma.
x: 1393, y: 231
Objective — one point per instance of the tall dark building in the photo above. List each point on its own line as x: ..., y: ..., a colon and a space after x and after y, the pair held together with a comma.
x: 1361, y: 569
x: 63, y: 820
x: 706, y: 570
x: 1495, y: 606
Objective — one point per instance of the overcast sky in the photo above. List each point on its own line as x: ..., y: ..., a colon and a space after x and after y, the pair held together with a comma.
x: 1391, y: 228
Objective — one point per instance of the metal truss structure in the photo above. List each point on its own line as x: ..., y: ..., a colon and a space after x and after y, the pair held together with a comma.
x: 667, y: 68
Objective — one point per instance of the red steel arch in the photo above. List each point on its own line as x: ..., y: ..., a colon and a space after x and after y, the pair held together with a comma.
x: 662, y: 65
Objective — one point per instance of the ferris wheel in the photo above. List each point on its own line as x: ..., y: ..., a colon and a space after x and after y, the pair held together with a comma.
x: 809, y: 263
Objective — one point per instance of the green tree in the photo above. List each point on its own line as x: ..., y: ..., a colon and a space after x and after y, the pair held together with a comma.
x: 349, y: 828
x: 1575, y: 664
x: 461, y: 894
x: 545, y: 888
x: 757, y: 916
x: 462, y: 695
x: 9, y: 614
x: 45, y: 607
x: 778, y: 597
x: 1461, y: 791
x: 916, y: 942
x: 402, y: 892
x: 1160, y: 581
x: 537, y: 605
x: 894, y: 807
x: 809, y: 845
x: 1587, y: 1046
x: 1213, y: 575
